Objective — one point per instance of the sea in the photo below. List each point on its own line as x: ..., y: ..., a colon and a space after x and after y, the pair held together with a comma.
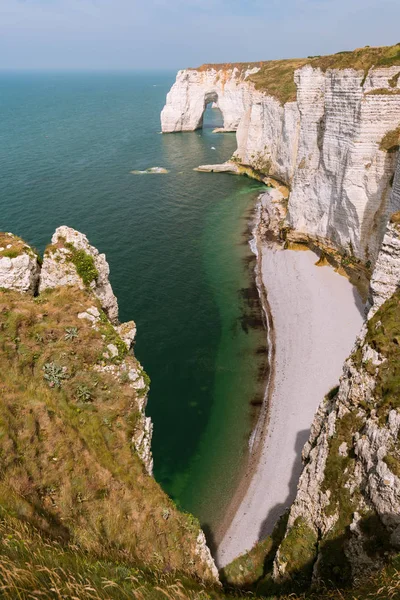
x: 178, y: 248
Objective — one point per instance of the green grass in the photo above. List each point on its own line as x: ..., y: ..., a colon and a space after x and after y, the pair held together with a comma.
x: 17, y: 246
x: 383, y: 335
x: 276, y: 77
x: 299, y: 550
x: 84, y: 264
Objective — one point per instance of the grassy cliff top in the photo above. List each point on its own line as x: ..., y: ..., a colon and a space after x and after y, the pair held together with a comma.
x: 68, y: 415
x: 276, y: 76
x: 12, y: 246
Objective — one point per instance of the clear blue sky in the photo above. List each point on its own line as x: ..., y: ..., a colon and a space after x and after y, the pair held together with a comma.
x: 171, y: 34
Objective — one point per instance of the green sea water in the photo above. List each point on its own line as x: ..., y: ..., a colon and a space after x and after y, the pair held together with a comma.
x: 177, y: 245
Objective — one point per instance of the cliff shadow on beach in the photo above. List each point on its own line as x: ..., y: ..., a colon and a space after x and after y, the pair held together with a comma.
x: 277, y: 511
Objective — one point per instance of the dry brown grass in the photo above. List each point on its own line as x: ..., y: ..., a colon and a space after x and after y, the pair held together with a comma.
x: 68, y: 466
x: 383, y: 92
x: 33, y: 567
x: 12, y: 246
x: 276, y: 76
x: 391, y: 141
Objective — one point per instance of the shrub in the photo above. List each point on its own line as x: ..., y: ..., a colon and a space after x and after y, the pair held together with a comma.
x: 84, y: 264
x: 71, y: 333
x: 54, y: 374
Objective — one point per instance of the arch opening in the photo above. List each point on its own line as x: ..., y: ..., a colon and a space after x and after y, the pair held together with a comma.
x: 212, y: 116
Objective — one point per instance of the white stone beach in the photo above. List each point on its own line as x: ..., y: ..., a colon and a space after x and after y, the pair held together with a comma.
x: 316, y: 316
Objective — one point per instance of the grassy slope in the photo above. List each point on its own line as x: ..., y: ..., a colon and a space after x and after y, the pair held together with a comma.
x: 276, y: 76
x: 67, y: 465
x: 34, y: 566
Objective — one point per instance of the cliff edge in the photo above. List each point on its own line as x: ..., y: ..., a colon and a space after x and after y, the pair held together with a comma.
x: 327, y: 127
x: 75, y: 440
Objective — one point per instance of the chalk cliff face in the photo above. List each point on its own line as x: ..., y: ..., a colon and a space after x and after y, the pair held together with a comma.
x: 346, y: 515
x: 326, y: 144
x: 194, y: 89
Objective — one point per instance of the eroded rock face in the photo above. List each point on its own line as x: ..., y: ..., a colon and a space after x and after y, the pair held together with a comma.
x: 348, y: 497
x: 194, y: 89
x: 128, y: 369
x: 19, y: 266
x: 62, y: 266
x: 386, y: 276
x: 326, y: 145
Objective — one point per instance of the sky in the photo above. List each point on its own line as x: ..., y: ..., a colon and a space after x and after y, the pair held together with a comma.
x: 173, y: 34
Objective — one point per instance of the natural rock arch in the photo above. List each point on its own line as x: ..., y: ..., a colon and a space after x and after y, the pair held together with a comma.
x: 209, y: 98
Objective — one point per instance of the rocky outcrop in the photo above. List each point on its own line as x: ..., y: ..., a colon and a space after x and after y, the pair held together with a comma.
x: 347, y: 508
x: 71, y: 260
x: 386, y: 276
x: 91, y: 437
x: 204, y: 554
x: 118, y: 363
x: 19, y: 265
x: 326, y: 144
x: 194, y: 89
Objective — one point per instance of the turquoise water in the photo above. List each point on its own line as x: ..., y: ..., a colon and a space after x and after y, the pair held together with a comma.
x: 177, y: 248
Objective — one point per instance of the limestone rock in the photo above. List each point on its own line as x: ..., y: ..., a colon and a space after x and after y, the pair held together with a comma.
x: 19, y: 267
x: 127, y: 333
x: 203, y: 552
x: 349, y: 491
x: 325, y: 145
x: 194, y: 89
x: 142, y: 442
x: 60, y: 269
x: 386, y: 276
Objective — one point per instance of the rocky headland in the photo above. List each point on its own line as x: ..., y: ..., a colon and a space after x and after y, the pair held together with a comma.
x: 75, y: 442
x: 80, y: 513
x: 325, y: 133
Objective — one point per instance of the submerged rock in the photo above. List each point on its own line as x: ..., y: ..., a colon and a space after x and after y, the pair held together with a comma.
x: 151, y: 170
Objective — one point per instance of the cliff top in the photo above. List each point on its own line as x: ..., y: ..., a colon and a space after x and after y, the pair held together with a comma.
x: 74, y: 437
x: 277, y: 76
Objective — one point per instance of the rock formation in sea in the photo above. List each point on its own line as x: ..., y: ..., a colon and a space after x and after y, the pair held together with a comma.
x: 19, y: 265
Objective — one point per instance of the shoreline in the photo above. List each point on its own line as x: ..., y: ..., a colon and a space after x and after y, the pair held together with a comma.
x: 245, y: 521
x: 254, y: 445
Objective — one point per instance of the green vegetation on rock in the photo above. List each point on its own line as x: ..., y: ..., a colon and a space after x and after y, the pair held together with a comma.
x: 298, y: 551
x: 276, y: 77
x: 384, y: 336
x: 247, y: 572
x: 84, y: 264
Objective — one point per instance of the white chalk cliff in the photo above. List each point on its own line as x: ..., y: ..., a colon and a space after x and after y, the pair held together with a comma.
x: 325, y: 145
x: 347, y: 507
